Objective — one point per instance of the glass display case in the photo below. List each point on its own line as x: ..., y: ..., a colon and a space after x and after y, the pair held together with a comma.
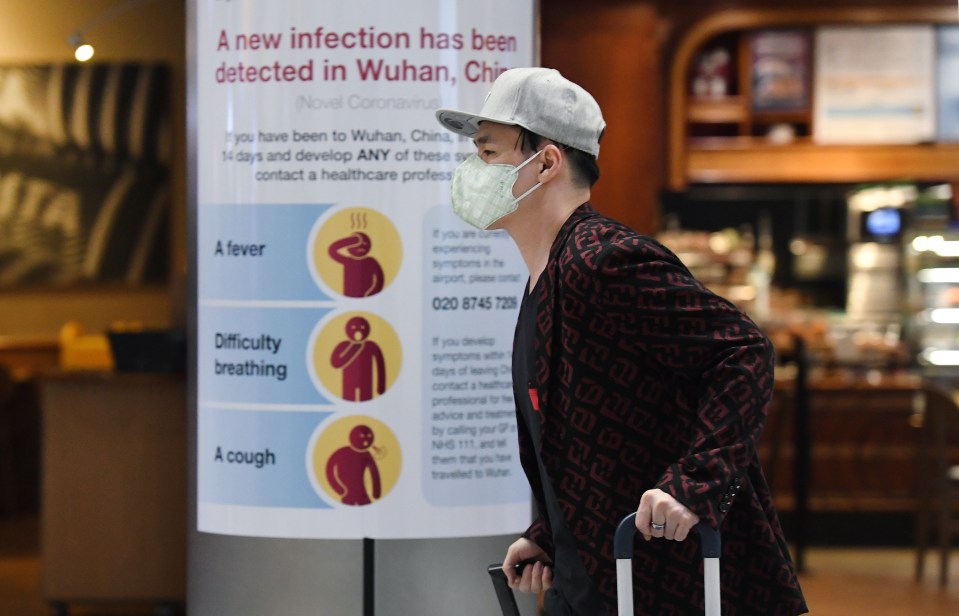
x: 931, y: 258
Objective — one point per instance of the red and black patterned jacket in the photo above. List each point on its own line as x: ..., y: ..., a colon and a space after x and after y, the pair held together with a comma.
x: 645, y: 379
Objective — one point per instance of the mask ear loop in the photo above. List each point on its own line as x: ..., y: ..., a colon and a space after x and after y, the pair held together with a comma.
x: 528, y: 160
x: 526, y: 194
x: 536, y: 185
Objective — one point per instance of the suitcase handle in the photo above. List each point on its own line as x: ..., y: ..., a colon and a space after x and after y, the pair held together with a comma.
x: 623, y: 551
x: 504, y: 594
x: 626, y: 535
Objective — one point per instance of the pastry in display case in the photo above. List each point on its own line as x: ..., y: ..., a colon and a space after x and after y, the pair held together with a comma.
x: 722, y: 260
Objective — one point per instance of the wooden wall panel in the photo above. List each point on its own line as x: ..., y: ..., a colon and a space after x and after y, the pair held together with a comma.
x: 613, y: 51
x: 620, y: 51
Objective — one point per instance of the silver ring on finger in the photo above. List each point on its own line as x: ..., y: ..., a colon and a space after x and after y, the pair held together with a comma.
x: 656, y: 526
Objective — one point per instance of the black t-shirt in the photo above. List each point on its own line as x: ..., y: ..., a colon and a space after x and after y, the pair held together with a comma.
x: 572, y: 592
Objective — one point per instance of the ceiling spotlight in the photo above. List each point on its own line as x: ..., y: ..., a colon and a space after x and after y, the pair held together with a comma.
x: 81, y: 51
x: 84, y: 51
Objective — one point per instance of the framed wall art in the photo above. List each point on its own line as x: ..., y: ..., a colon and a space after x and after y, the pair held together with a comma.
x: 84, y: 174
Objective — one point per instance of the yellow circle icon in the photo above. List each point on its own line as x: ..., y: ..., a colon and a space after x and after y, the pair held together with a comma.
x: 356, y: 356
x: 356, y: 460
x: 357, y: 252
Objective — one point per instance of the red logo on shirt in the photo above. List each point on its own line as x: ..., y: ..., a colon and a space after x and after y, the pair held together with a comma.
x: 534, y: 398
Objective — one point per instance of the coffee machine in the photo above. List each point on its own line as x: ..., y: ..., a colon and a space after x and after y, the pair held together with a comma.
x: 876, y: 221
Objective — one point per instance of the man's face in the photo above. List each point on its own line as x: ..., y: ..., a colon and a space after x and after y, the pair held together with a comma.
x: 500, y: 144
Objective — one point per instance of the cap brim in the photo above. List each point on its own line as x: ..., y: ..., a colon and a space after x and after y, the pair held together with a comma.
x: 463, y: 123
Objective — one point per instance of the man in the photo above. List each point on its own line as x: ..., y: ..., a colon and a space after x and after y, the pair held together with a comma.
x: 637, y: 389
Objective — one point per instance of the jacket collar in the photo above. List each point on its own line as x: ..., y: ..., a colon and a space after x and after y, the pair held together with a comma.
x: 543, y: 348
x: 583, y: 212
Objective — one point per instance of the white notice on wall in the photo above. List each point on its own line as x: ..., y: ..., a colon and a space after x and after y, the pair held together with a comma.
x: 874, y: 84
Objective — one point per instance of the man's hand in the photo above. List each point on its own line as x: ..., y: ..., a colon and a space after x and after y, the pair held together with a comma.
x: 659, y: 508
x: 533, y: 578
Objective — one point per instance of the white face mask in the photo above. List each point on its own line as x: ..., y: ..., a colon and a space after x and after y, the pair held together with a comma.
x: 483, y: 192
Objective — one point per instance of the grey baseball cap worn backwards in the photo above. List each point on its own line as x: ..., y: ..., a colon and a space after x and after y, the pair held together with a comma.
x: 539, y: 100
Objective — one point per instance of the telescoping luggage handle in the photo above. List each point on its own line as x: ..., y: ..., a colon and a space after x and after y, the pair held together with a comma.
x: 623, y: 551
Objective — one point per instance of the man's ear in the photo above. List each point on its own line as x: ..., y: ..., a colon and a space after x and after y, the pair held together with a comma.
x: 551, y: 163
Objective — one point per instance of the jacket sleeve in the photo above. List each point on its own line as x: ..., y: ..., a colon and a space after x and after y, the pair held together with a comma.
x: 718, y: 359
x: 731, y: 412
x: 539, y: 533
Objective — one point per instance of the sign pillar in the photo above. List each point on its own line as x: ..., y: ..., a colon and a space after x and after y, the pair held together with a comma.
x: 352, y: 337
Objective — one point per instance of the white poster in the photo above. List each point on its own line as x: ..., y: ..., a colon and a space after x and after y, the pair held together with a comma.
x: 874, y: 84
x: 354, y: 337
x: 947, y: 84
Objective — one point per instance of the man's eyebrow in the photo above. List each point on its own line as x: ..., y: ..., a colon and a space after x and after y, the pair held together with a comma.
x: 483, y: 140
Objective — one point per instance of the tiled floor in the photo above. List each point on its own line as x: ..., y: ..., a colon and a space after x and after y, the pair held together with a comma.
x: 877, y: 582
x: 20, y: 581
x: 839, y: 581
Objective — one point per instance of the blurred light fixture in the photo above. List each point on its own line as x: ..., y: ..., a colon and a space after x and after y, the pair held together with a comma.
x: 944, y: 315
x: 940, y: 275
x: 939, y: 357
x: 936, y: 244
x: 920, y: 243
x: 83, y: 50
